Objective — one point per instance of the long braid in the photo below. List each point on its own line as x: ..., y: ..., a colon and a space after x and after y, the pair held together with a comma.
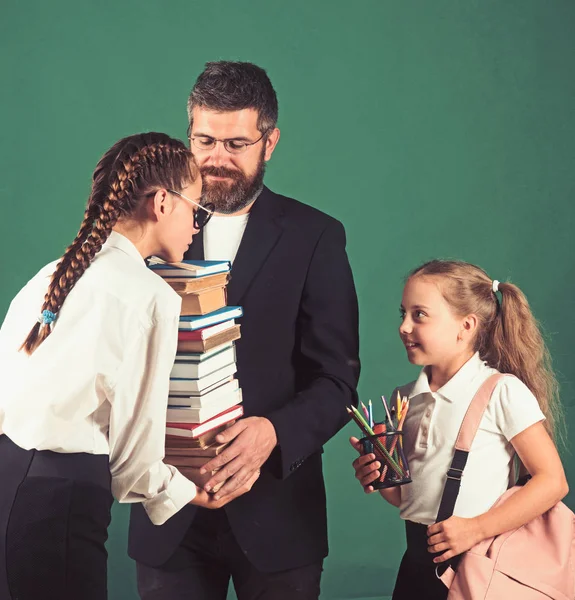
x: 120, y: 179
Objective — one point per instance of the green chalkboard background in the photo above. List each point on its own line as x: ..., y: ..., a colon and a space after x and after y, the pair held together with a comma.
x: 430, y: 129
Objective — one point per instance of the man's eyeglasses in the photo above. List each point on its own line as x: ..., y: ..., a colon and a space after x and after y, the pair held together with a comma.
x: 232, y: 145
x: 201, y: 217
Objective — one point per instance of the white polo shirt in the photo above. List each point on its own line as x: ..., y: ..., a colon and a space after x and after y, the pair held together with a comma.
x: 430, y: 431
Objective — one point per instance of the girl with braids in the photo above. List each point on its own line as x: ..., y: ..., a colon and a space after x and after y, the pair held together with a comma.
x: 462, y: 327
x: 82, y: 414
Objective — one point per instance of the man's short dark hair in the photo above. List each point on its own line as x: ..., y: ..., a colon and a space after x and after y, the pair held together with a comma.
x: 228, y: 86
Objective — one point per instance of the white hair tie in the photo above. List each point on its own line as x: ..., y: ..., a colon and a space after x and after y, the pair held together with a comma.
x: 495, y: 286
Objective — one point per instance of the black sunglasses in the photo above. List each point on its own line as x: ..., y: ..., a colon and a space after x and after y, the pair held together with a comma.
x: 201, y: 217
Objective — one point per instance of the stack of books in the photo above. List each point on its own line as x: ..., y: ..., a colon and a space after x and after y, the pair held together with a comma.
x: 205, y: 397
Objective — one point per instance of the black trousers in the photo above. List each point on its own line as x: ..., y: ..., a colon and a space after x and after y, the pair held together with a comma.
x: 416, y: 578
x: 208, y: 556
x: 54, y: 517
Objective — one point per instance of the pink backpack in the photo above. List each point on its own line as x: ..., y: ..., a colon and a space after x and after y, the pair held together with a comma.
x: 533, y: 562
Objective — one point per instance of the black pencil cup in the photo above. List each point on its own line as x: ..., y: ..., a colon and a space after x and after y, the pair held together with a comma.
x: 388, y: 450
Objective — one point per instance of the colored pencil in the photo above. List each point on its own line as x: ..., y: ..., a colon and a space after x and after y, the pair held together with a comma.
x: 368, y: 431
x: 394, y: 443
x: 364, y: 409
x: 387, y: 411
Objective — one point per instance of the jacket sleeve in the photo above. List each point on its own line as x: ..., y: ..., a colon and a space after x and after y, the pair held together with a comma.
x: 327, y: 357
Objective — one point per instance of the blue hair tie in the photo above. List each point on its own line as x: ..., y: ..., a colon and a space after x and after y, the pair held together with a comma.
x: 47, y: 317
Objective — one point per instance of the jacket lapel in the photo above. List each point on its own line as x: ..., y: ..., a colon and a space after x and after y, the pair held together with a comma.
x: 262, y: 233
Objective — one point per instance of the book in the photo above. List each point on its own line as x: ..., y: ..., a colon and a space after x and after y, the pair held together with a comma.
x: 193, y: 474
x: 177, y: 460
x: 175, y: 443
x: 197, y: 284
x: 196, y: 369
x: 182, y: 397
x: 186, y: 414
x: 188, y: 268
x: 195, y: 430
x: 201, y: 356
x: 205, y: 332
x: 195, y: 322
x: 203, y: 302
x: 179, y: 386
x: 205, y: 397
x: 203, y: 441
x: 210, y: 450
x: 230, y: 334
x: 178, y: 444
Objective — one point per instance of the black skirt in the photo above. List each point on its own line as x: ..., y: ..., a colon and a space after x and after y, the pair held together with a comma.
x: 54, y: 517
x: 417, y: 578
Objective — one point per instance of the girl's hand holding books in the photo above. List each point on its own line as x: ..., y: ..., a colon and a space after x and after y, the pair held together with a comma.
x: 207, y: 500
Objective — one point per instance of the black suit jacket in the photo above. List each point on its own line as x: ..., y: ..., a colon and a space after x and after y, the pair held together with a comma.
x: 298, y: 365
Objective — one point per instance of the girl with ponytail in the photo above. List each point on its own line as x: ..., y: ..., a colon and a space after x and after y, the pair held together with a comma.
x: 463, y: 327
x: 86, y: 350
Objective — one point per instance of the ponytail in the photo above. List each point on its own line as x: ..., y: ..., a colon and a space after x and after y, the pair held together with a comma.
x: 515, y: 345
x: 508, y: 336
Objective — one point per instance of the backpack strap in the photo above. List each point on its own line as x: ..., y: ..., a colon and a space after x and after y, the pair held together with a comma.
x: 463, y: 443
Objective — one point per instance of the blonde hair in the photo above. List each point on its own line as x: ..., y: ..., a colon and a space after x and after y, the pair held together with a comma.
x: 508, y: 337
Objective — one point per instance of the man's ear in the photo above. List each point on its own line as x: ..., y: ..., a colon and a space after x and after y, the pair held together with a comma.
x: 271, y: 143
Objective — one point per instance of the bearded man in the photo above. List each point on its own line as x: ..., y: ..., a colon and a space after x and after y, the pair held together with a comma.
x: 298, y: 365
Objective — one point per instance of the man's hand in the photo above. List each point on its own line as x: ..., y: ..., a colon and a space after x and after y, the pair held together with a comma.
x: 251, y: 442
x: 205, y: 500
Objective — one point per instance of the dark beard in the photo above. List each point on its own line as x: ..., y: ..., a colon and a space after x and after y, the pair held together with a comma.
x: 231, y: 198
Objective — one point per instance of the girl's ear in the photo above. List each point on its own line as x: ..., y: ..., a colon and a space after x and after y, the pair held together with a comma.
x: 468, y: 327
x: 161, y: 205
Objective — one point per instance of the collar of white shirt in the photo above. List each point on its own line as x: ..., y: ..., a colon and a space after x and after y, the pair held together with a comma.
x: 121, y: 242
x: 456, y: 386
